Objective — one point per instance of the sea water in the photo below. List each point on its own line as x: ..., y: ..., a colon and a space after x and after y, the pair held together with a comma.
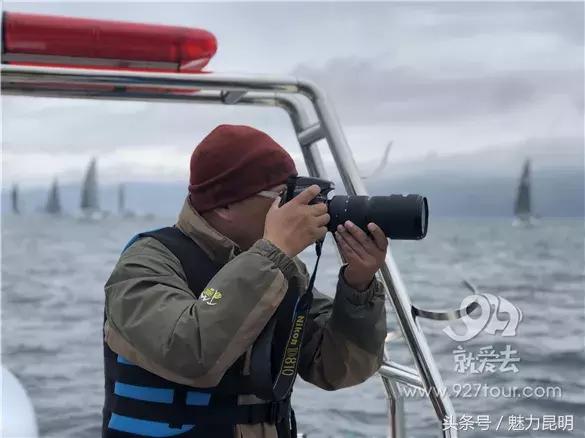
x: 54, y: 269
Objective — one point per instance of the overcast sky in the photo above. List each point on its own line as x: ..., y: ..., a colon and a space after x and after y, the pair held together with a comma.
x: 434, y: 77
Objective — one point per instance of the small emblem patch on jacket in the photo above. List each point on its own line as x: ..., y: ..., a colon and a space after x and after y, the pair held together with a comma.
x: 210, y: 296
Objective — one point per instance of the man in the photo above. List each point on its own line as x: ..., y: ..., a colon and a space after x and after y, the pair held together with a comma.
x: 199, y: 332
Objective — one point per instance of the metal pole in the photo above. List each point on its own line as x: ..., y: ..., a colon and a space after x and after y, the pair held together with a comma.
x: 396, y: 372
x: 176, y: 81
x: 396, y: 415
x: 413, y: 334
x: 302, y: 122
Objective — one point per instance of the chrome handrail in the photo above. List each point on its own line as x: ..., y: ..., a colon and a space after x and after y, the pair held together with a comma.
x: 266, y: 91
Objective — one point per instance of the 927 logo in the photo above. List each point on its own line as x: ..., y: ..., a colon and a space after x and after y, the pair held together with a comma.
x: 497, y: 314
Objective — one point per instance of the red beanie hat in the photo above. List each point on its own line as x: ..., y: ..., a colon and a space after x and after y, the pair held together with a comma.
x: 233, y: 163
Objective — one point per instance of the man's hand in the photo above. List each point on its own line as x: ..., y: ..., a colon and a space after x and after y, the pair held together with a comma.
x: 296, y: 225
x: 363, y: 254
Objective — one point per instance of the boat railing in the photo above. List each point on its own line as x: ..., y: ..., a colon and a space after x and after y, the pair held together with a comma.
x: 296, y: 97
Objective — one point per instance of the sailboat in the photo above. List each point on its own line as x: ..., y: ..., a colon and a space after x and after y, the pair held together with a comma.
x: 122, y: 211
x: 90, y: 209
x: 53, y: 205
x: 125, y: 212
x: 522, y: 205
x: 14, y: 199
x: 121, y: 199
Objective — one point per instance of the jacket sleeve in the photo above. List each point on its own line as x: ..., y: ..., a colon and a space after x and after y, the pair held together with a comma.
x: 345, y: 343
x: 156, y: 322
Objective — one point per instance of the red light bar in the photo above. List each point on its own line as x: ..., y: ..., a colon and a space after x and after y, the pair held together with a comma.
x: 43, y: 40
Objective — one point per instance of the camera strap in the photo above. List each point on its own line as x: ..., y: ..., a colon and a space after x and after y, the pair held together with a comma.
x: 282, y: 385
x: 307, y: 299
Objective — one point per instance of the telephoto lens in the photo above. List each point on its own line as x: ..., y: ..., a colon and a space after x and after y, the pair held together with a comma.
x: 401, y: 217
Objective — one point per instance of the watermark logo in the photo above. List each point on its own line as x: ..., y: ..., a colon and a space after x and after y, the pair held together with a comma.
x: 519, y: 423
x: 487, y: 360
x: 496, y: 315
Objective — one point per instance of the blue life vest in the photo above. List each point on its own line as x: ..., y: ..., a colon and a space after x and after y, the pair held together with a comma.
x: 139, y: 403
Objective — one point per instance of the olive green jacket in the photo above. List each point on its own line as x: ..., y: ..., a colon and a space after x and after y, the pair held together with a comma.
x: 154, y: 320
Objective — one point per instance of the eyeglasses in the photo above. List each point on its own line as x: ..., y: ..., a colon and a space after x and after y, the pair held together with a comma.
x: 271, y: 194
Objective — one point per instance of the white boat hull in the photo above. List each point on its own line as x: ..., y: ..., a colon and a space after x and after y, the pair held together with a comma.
x: 18, y: 418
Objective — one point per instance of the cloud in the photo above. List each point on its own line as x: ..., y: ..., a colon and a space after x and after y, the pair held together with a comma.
x: 564, y: 20
x: 43, y: 138
x: 366, y: 93
x: 434, y: 76
x: 100, y: 127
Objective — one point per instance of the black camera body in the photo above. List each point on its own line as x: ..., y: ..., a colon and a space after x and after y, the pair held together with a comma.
x: 401, y: 217
x: 297, y: 184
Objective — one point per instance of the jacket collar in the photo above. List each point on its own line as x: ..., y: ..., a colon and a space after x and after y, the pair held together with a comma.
x: 218, y: 247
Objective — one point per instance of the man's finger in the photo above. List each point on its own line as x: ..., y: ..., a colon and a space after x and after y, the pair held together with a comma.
x: 322, y: 220
x: 352, y: 242
x: 378, y: 236
x: 306, y: 195
x: 346, y: 250
x: 358, y: 234
x: 318, y: 209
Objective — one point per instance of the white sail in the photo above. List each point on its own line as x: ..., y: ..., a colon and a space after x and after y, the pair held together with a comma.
x: 522, y: 204
x: 53, y: 202
x: 121, y: 199
x: 89, y: 190
x: 14, y: 199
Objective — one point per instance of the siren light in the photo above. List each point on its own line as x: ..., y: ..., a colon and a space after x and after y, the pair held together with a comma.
x: 42, y: 40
